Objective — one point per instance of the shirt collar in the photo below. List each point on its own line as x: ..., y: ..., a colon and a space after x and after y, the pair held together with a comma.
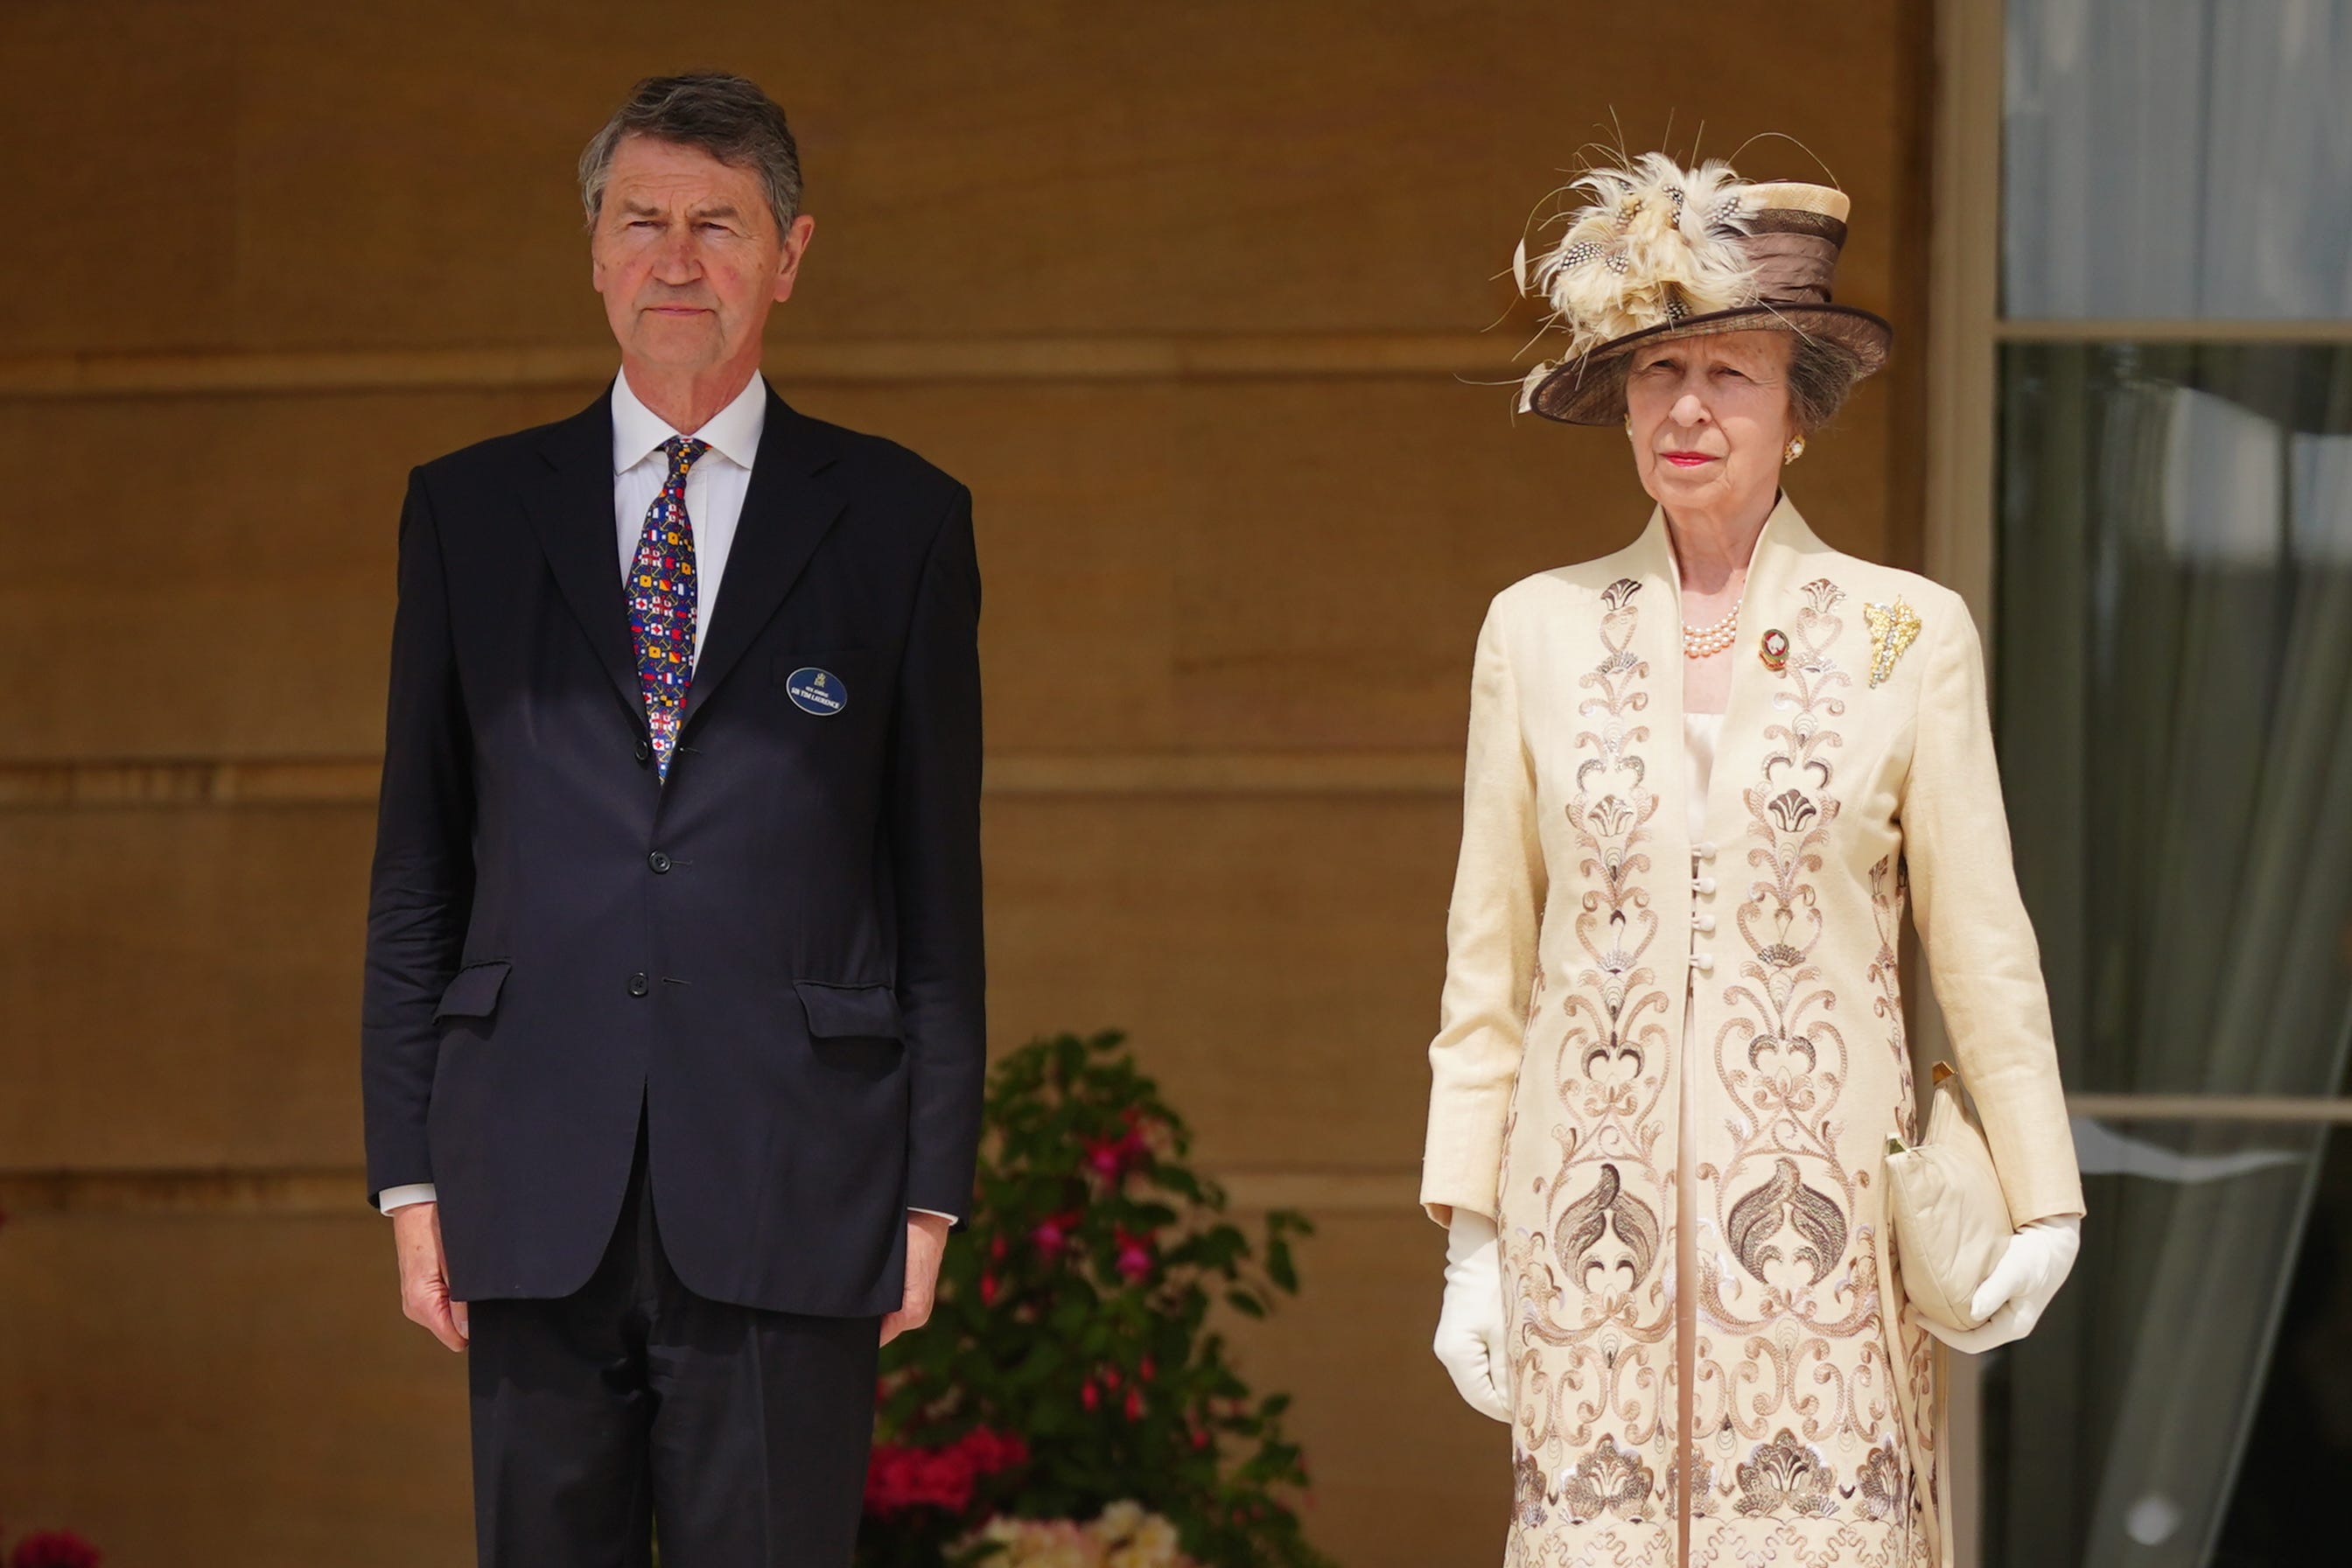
x: 733, y: 432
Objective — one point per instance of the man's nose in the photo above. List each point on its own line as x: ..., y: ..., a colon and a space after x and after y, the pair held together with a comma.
x: 675, y: 260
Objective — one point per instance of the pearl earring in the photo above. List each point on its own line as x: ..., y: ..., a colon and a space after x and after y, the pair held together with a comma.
x: 1795, y: 449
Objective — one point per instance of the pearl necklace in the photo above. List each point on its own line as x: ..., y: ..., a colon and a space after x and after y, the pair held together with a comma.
x: 1700, y: 642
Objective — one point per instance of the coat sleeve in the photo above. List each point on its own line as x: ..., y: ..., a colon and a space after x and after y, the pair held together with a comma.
x: 420, y: 888
x: 1490, y: 947
x: 935, y: 860
x: 1982, y: 956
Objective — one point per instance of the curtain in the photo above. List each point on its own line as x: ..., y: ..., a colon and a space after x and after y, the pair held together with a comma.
x: 2174, y: 685
x: 2178, y: 158
x: 2175, y: 689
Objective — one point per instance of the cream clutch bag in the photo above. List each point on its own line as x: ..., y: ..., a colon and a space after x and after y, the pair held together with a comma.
x: 1944, y: 1207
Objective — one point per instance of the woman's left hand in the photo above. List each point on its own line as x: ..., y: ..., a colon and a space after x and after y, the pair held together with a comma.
x: 2021, y: 1285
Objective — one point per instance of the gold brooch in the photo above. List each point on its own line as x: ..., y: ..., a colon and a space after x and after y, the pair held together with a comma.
x: 1774, y: 649
x: 1893, y: 628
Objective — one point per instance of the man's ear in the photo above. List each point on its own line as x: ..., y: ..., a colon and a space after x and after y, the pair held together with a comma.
x: 788, y: 264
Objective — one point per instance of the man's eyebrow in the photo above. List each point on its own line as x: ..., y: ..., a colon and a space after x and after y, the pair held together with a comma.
x: 718, y: 209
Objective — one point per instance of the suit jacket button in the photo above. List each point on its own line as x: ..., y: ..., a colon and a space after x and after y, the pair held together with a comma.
x: 645, y: 751
x: 638, y: 985
x: 658, y: 860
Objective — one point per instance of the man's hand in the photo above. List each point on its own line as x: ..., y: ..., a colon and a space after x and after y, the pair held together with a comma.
x: 926, y: 1242
x: 424, y: 1275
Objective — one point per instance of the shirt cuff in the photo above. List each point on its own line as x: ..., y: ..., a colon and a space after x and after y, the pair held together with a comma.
x: 392, y: 1198
x: 948, y: 1217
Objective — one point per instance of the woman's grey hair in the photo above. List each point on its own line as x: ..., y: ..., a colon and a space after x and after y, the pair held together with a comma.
x: 1821, y: 374
x: 725, y: 115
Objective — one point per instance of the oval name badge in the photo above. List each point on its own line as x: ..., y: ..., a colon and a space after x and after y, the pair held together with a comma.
x: 817, y: 691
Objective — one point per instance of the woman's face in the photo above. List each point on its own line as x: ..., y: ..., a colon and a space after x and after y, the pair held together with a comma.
x: 1710, y: 420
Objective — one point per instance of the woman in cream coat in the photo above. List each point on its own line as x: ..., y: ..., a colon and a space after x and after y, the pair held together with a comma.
x: 1704, y: 775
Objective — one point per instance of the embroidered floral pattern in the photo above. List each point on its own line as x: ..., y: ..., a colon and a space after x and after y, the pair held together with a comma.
x: 1888, y: 888
x: 1592, y: 1325
x: 1786, y: 1477
x: 1528, y: 1493
x: 1879, y: 1483
x: 1608, y: 1480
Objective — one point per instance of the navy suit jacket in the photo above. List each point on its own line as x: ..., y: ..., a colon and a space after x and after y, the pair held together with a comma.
x: 777, y: 952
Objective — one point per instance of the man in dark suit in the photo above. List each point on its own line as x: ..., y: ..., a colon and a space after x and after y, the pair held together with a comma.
x: 672, y: 1047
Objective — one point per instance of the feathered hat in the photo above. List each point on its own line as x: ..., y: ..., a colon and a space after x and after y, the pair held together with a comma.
x: 1662, y: 252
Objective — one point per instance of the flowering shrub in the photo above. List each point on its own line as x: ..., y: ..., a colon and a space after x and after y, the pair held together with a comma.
x: 1069, y: 1371
x: 1123, y: 1537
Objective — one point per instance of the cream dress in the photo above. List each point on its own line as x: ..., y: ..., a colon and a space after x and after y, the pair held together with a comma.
x: 1853, y: 771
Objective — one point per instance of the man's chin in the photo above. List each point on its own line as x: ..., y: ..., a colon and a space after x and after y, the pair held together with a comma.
x: 676, y: 347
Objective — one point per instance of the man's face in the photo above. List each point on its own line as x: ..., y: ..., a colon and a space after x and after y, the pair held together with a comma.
x: 688, y: 257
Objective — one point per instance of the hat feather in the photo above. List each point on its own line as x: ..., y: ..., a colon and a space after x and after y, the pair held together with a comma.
x: 1656, y: 243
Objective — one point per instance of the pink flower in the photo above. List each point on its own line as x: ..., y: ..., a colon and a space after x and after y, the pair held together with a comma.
x: 988, y: 1289
x: 990, y: 1451
x: 898, y: 1478
x: 54, y: 1549
x: 1113, y: 1158
x: 1135, y: 1404
x: 1054, y: 1233
x: 1088, y: 1396
x: 1144, y: 1371
x: 1135, y: 1259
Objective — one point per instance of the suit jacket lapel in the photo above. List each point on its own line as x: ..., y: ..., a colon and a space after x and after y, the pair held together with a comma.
x: 788, y: 509
x: 571, y: 507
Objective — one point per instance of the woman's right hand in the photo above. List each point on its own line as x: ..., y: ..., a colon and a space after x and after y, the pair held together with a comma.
x: 1470, y: 1320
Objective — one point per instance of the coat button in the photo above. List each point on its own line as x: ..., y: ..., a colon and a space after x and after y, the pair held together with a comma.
x: 645, y: 751
x: 638, y: 985
x: 1704, y: 923
x: 1707, y: 851
x: 1703, y: 962
x: 658, y: 860
x: 1703, y: 884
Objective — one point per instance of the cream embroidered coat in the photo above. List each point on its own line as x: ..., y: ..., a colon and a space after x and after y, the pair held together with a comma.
x: 1861, y: 764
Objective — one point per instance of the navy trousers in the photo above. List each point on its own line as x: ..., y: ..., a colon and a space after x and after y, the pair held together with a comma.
x: 634, y: 1405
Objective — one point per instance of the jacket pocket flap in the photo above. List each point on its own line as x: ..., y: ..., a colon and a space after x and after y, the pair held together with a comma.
x: 838, y: 1010
x: 473, y: 993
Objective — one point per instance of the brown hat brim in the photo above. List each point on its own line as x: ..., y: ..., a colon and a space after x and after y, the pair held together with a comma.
x: 1592, y: 390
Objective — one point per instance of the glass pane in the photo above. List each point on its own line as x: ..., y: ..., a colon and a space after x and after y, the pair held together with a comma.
x: 2183, y: 1403
x: 2167, y: 158
x: 2173, y: 683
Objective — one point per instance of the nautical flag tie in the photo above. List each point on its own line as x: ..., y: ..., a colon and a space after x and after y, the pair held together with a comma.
x: 661, y: 601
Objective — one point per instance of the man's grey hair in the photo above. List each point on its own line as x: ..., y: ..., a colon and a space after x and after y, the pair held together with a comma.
x: 725, y: 115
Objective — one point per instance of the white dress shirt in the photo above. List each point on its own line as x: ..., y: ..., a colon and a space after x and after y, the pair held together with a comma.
x: 715, y: 487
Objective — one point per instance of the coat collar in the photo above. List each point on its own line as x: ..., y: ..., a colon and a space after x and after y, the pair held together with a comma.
x: 1787, y: 555
x: 790, y: 505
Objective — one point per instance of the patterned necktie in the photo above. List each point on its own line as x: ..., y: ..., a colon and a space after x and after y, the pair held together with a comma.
x: 661, y: 601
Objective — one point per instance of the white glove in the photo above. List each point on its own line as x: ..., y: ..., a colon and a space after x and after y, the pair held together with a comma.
x: 1470, y: 1320
x: 2019, y: 1290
